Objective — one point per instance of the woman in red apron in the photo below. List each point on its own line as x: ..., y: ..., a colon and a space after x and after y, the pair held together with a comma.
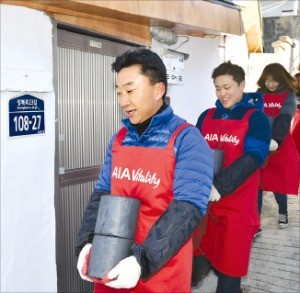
x: 280, y: 172
x: 239, y: 128
x: 163, y: 162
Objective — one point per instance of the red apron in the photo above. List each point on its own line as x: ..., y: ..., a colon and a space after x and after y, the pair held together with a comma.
x: 281, y: 173
x: 295, y: 130
x: 147, y: 174
x: 233, y: 220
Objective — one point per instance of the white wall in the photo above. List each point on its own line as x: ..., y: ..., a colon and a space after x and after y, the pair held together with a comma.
x: 237, y: 52
x: 273, y: 8
x: 197, y: 93
x: 27, y: 162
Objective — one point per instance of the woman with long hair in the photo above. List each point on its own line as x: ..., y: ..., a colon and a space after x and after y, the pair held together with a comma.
x: 280, y: 172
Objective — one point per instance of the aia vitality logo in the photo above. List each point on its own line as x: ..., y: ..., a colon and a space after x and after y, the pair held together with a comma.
x: 222, y: 138
x: 138, y: 175
x: 272, y: 105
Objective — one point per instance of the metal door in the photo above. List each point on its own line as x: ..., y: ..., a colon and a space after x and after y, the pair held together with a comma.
x: 88, y: 114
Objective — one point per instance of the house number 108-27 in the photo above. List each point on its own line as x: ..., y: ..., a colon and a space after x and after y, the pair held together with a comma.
x: 24, y: 123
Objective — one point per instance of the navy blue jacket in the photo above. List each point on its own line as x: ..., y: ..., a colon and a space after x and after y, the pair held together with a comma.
x: 256, y: 146
x: 194, y: 164
x: 193, y: 176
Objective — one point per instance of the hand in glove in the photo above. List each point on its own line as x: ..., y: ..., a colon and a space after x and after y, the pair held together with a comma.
x: 214, y: 194
x: 83, y: 262
x: 125, y: 274
x: 273, y: 145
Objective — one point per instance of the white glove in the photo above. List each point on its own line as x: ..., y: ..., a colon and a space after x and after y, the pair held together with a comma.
x: 214, y: 194
x: 273, y: 145
x: 83, y: 262
x: 125, y: 274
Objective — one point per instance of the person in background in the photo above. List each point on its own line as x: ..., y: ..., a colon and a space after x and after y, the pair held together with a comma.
x: 295, y: 128
x: 280, y: 173
x: 237, y: 126
x: 154, y: 140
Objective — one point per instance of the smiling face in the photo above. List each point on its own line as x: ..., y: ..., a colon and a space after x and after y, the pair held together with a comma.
x: 137, y: 96
x: 228, y: 91
x: 271, y: 84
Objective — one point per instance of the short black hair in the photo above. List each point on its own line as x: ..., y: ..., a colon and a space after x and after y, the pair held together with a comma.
x: 227, y: 68
x: 151, y: 65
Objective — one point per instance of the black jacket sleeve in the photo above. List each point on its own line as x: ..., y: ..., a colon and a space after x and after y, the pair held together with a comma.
x: 86, y: 232
x: 229, y: 179
x: 282, y: 122
x: 281, y: 127
x: 168, y: 234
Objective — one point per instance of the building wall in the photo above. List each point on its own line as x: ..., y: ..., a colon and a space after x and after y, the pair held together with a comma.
x: 198, y: 92
x: 27, y: 162
x: 275, y: 27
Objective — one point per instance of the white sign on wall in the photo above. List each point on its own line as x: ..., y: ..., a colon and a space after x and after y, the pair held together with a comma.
x: 175, y: 66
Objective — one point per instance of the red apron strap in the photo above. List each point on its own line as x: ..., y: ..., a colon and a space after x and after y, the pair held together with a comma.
x: 210, y: 113
x: 123, y: 131
x: 175, y: 134
x: 248, y: 113
x: 120, y: 137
